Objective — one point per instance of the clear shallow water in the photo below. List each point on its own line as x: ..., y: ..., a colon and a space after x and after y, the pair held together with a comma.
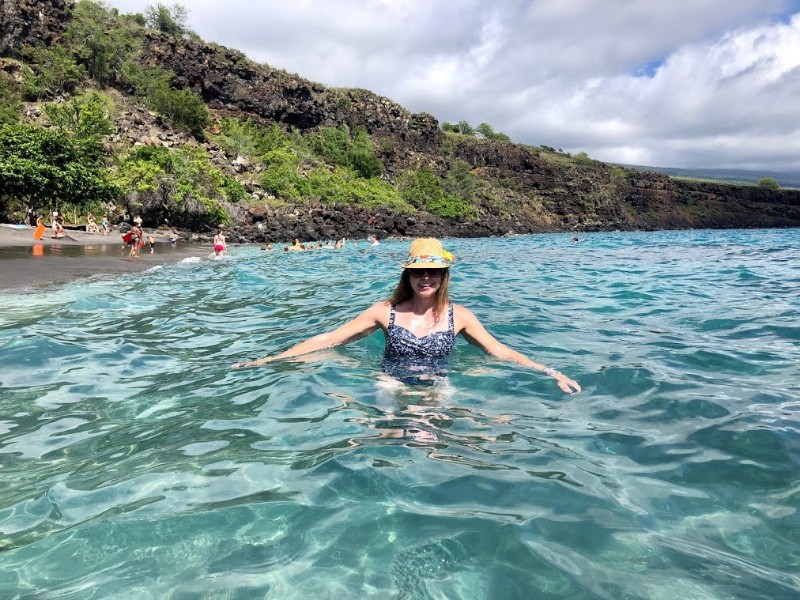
x: 135, y: 463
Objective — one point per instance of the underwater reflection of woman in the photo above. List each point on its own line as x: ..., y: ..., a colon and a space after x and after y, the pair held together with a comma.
x: 419, y: 321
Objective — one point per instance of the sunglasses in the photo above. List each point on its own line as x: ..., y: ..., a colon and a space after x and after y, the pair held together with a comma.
x: 417, y: 273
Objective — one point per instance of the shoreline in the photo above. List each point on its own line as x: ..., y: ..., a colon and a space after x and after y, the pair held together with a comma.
x: 22, y: 235
x: 28, y: 265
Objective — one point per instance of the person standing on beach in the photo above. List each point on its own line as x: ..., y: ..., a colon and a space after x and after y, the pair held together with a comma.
x: 152, y: 242
x: 219, y: 243
x: 136, y: 240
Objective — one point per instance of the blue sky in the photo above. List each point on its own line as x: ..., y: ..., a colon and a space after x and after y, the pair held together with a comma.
x: 677, y: 83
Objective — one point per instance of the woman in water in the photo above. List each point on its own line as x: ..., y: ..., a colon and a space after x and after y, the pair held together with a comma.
x: 220, y: 245
x: 419, y: 321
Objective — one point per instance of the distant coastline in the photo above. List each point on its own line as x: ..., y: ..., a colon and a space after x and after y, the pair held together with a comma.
x: 786, y: 179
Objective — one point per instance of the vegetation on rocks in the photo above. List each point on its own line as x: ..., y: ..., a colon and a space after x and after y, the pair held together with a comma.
x: 137, y: 115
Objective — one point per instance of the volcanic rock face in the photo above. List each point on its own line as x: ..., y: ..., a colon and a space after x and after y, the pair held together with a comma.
x: 31, y: 22
x: 522, y: 189
x: 231, y: 84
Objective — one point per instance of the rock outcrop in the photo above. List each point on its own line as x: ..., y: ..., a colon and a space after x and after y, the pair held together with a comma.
x: 31, y: 23
x: 523, y: 189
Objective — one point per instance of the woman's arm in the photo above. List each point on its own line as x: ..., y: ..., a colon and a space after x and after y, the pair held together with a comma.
x: 363, y: 325
x: 476, y: 334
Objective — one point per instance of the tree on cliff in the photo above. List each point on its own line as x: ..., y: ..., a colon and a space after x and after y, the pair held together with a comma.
x: 167, y: 19
x: 769, y: 183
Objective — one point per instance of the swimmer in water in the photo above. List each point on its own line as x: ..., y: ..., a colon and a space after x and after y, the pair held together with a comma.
x: 419, y: 322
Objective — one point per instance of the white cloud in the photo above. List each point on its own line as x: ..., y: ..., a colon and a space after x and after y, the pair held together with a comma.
x: 678, y: 83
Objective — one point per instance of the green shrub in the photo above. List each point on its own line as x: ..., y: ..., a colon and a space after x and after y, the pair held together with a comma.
x: 424, y: 190
x: 459, y: 181
x: 451, y: 206
x: 54, y: 70
x: 248, y: 139
x: 486, y: 130
x: 280, y: 178
x: 100, y: 41
x: 361, y: 157
x: 44, y: 166
x: 10, y: 100
x: 769, y: 183
x: 145, y: 81
x: 619, y: 176
x: 84, y: 116
x: 183, y: 108
x: 336, y: 145
x: 167, y: 19
x: 184, y: 179
x: 418, y: 187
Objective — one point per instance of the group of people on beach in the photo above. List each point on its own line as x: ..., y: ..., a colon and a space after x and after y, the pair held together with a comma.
x: 57, y: 225
x: 92, y: 227
x: 134, y: 239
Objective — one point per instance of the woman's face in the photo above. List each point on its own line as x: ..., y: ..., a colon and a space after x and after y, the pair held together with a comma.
x: 425, y: 282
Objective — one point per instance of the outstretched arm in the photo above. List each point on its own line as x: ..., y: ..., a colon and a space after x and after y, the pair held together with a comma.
x: 476, y: 334
x: 363, y: 325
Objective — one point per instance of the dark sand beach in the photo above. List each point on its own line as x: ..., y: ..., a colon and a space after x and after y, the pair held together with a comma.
x: 28, y: 264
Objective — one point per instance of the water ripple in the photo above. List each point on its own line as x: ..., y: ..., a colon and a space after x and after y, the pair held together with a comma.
x: 135, y: 463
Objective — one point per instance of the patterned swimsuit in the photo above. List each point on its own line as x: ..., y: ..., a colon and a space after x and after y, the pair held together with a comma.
x: 417, y: 360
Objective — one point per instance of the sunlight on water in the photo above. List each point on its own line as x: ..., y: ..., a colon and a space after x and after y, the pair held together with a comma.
x: 134, y: 463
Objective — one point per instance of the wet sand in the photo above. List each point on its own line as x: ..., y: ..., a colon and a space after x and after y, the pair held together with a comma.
x: 27, y: 264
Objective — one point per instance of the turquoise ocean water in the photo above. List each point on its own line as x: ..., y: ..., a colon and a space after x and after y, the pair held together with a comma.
x: 134, y: 463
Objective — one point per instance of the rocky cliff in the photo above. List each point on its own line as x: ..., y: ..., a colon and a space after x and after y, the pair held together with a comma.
x: 32, y: 23
x: 523, y: 189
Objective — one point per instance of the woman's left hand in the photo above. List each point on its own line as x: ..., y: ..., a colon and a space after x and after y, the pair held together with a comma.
x: 570, y: 386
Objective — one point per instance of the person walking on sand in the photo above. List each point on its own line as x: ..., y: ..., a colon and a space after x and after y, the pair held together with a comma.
x: 136, y: 240
x: 420, y: 324
x: 220, y: 246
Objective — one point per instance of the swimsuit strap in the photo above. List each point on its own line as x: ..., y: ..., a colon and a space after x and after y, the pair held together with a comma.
x: 391, y: 316
x: 452, y: 321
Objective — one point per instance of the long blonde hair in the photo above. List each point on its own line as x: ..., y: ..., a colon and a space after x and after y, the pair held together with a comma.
x: 404, y: 292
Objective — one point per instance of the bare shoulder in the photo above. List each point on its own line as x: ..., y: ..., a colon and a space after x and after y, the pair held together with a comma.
x: 462, y: 312
x: 463, y: 317
x: 379, y: 312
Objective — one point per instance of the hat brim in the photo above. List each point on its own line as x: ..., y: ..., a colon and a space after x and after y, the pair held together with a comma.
x: 420, y: 265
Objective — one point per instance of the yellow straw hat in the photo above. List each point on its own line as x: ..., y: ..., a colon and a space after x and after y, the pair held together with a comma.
x: 426, y: 253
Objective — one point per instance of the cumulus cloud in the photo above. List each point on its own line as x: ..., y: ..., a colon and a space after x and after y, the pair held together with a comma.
x: 686, y: 83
